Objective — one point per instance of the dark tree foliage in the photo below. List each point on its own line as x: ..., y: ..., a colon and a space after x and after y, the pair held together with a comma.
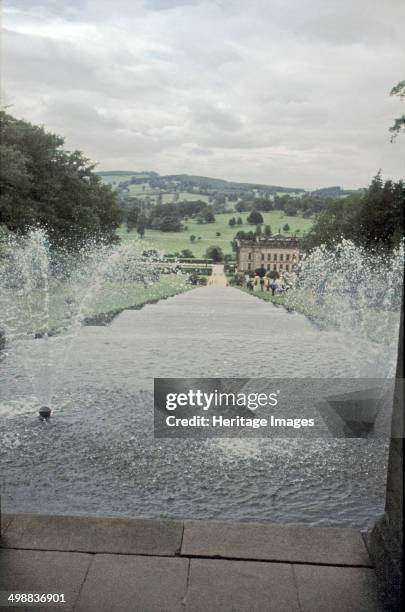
x: 43, y: 184
x: 209, y: 216
x: 291, y: 208
x: 167, y: 224
x: 399, y: 122
x: 186, y: 253
x: 242, y: 235
x: 132, y: 218
x: 242, y: 206
x: 215, y: 253
x: 141, y: 225
x: 255, y: 218
x: 374, y: 220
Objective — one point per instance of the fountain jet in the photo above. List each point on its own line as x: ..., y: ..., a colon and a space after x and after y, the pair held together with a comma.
x: 44, y: 412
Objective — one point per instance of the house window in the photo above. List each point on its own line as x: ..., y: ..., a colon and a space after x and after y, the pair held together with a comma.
x: 281, y: 266
x: 262, y: 256
x: 269, y: 257
x: 275, y: 257
x: 275, y: 267
x: 287, y: 267
x: 281, y: 257
x: 249, y: 255
x: 287, y: 257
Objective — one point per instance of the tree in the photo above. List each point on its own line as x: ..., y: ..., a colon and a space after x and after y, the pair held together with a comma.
x: 217, y: 233
x: 239, y: 221
x: 209, y: 216
x: 399, y: 122
x: 286, y: 228
x: 267, y: 231
x: 132, y: 218
x: 192, y: 238
x: 232, y: 222
x: 241, y: 206
x: 43, y: 184
x: 186, y: 253
x: 215, y: 253
x: 373, y: 220
x: 255, y: 218
x: 290, y: 210
x: 380, y: 221
x: 168, y: 224
x: 141, y: 225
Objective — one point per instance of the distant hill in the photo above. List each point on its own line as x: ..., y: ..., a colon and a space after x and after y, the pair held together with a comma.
x: 185, y: 182
x: 125, y: 173
x: 150, y: 188
x: 333, y: 192
x: 213, y: 183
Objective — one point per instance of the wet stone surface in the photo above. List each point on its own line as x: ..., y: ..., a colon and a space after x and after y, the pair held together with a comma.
x: 97, y: 454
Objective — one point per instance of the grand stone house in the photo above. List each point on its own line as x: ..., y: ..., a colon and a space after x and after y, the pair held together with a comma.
x: 275, y: 253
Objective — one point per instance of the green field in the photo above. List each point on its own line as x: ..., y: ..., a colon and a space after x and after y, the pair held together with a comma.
x: 378, y: 325
x: 111, y: 298
x: 143, y: 191
x: 171, y: 242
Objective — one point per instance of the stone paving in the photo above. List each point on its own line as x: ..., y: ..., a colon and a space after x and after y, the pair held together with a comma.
x: 131, y: 565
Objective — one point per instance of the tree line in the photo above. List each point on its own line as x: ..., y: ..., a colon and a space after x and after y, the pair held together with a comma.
x: 373, y: 219
x: 165, y: 217
x: 43, y: 184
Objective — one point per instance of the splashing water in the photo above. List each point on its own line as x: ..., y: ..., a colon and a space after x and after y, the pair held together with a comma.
x: 50, y: 294
x: 350, y: 289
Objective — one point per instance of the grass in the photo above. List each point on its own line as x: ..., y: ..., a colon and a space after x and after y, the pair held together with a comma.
x: 135, y: 295
x: 378, y: 325
x: 143, y: 190
x: 100, y: 307
x: 171, y: 242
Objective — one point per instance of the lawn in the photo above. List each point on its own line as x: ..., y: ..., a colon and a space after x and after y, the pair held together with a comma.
x: 171, y: 242
x: 378, y: 325
x: 37, y: 315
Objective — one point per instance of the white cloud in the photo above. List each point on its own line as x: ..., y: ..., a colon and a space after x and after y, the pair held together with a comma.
x: 288, y: 92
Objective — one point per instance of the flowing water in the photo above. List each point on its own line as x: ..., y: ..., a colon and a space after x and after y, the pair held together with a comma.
x: 97, y: 454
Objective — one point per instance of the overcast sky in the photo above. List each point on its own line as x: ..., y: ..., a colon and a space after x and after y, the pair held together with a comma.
x: 287, y: 92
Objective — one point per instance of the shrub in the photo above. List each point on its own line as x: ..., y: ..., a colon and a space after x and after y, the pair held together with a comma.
x: 255, y: 218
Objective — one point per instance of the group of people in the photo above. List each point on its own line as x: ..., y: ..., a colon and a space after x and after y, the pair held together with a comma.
x: 265, y: 283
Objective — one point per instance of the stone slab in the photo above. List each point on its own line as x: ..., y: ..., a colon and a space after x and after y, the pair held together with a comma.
x: 236, y: 586
x: 32, y: 571
x: 89, y: 534
x: 5, y: 522
x: 336, y: 589
x: 291, y: 544
x: 129, y: 583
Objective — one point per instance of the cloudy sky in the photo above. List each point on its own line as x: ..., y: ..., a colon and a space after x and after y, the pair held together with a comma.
x: 290, y: 92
